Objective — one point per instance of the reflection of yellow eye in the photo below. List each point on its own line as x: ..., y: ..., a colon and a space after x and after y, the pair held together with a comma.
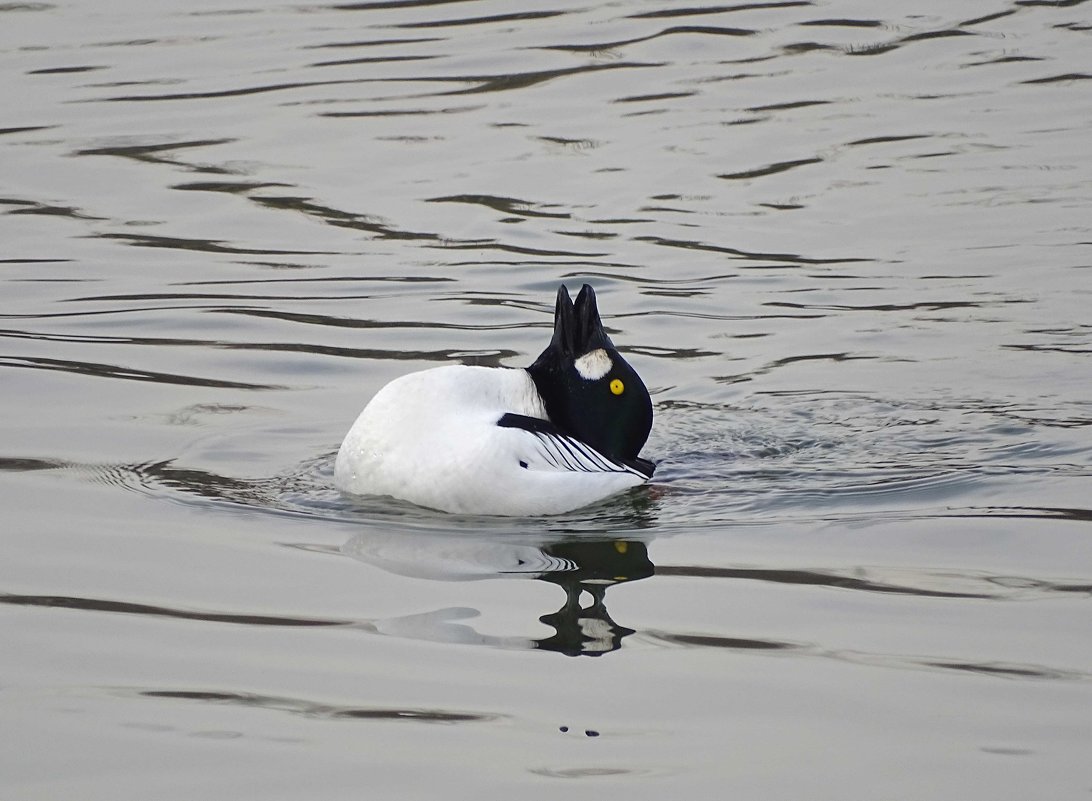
x: 617, y: 387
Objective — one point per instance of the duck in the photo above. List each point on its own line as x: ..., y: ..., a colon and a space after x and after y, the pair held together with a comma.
x: 550, y: 438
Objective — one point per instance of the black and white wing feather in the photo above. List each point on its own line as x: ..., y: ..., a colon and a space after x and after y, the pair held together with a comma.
x: 558, y: 451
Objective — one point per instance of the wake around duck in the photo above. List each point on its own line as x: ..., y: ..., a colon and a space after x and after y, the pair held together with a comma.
x: 558, y: 435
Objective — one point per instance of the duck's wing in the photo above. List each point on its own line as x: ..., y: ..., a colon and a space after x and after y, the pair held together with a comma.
x: 551, y: 449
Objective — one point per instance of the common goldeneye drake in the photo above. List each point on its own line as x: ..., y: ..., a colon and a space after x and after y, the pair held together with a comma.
x: 552, y: 437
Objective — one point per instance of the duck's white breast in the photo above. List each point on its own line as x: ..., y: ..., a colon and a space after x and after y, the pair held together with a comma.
x: 432, y: 438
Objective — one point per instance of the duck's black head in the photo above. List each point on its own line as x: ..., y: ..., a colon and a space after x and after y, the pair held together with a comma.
x: 589, y: 390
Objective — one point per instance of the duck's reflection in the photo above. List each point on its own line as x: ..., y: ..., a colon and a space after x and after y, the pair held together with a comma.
x: 582, y: 567
x: 596, y: 565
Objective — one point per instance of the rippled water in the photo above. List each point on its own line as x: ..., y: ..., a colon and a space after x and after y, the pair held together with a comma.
x: 847, y: 247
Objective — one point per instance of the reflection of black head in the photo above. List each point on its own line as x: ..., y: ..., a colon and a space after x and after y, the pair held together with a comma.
x: 601, y: 562
x: 609, y: 408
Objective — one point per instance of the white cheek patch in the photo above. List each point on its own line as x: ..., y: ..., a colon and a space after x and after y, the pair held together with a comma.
x: 594, y: 365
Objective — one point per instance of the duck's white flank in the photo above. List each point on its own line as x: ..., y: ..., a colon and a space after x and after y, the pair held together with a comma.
x: 432, y: 438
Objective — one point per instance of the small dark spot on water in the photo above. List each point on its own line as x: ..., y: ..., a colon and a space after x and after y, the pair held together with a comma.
x: 563, y: 729
x: 591, y: 732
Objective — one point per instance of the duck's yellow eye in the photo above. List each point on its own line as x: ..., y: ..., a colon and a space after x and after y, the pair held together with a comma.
x: 617, y: 387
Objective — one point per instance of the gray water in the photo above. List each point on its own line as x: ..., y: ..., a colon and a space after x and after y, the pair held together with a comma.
x: 847, y: 245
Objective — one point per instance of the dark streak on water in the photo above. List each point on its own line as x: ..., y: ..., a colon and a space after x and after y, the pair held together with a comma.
x: 315, y: 710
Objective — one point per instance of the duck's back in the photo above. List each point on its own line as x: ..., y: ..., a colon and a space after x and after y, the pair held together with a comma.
x: 432, y: 438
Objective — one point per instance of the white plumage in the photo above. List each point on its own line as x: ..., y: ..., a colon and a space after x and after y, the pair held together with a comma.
x: 432, y: 438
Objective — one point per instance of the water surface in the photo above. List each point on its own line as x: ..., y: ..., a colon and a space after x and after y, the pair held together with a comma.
x: 846, y: 246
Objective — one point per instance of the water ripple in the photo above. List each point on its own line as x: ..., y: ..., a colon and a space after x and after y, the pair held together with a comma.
x: 100, y: 370
x: 314, y: 709
x: 1001, y: 670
